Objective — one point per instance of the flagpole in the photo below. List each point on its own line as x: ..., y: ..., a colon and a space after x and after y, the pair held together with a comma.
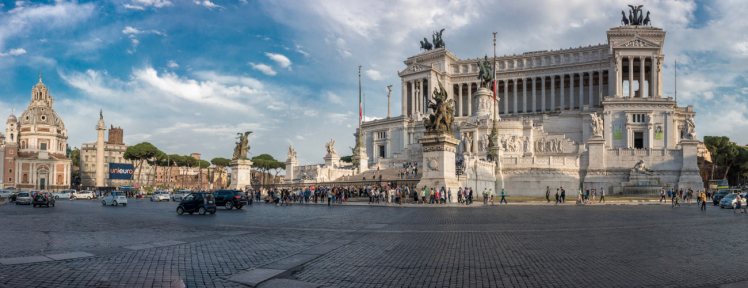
x: 494, y: 76
x: 360, y: 105
x: 675, y: 81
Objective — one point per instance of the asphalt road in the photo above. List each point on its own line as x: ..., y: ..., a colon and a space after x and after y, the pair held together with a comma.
x: 82, y: 244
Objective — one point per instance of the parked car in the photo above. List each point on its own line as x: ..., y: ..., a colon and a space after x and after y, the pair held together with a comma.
x: 199, y: 202
x: 114, y: 198
x: 160, y: 196
x: 230, y: 199
x: 43, y: 199
x: 23, y: 198
x: 730, y: 199
x: 64, y: 194
x: 5, y: 194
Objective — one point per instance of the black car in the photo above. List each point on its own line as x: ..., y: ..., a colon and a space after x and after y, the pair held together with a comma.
x: 230, y: 199
x: 43, y: 199
x: 719, y: 195
x: 199, y: 202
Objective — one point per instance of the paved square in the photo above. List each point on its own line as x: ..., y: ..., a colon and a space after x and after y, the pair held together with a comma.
x: 147, y: 244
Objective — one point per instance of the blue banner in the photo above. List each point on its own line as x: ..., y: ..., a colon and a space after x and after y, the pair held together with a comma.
x: 121, y: 171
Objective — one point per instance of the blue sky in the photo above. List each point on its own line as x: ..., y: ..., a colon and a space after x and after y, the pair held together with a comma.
x: 188, y: 75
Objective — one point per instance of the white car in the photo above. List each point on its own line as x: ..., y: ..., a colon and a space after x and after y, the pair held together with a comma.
x: 114, y: 198
x: 83, y: 195
x: 5, y: 193
x: 64, y: 194
x: 160, y: 196
x: 179, y: 195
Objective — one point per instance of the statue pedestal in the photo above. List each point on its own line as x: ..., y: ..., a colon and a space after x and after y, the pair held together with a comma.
x: 596, y: 176
x: 332, y: 160
x: 689, y: 172
x: 363, y: 161
x: 439, y: 162
x: 241, y: 174
x: 484, y: 98
x: 290, y: 165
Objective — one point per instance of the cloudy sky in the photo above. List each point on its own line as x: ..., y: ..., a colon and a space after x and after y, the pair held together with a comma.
x: 187, y: 75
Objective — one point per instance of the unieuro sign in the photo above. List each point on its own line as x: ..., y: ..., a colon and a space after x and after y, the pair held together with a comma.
x: 121, y: 171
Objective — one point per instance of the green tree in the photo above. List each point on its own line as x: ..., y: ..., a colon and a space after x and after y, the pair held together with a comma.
x: 264, y: 163
x: 220, y: 164
x: 347, y: 159
x: 139, y: 153
x: 724, y: 152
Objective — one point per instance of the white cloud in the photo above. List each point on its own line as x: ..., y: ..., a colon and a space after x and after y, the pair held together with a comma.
x: 207, y: 4
x: 13, y: 52
x: 300, y: 50
x: 334, y: 98
x: 264, y: 68
x: 152, y: 3
x: 373, y: 74
x: 131, y: 33
x: 225, y: 102
x: 279, y: 59
x: 133, y: 7
x: 129, y: 30
x: 172, y: 64
x: 22, y: 19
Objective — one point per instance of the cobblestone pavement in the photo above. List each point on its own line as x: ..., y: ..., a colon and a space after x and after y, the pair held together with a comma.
x: 147, y: 245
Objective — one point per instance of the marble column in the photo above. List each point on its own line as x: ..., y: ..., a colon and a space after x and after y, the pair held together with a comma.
x: 412, y: 95
x: 514, y: 97
x: 652, y: 78
x: 534, y: 95
x: 571, y: 90
x: 600, y: 87
x: 642, y: 64
x: 553, y: 93
x: 619, y: 77
x: 524, y: 95
x: 591, y: 83
x: 581, y: 91
x: 563, y: 101
x: 459, y: 92
x: 506, y: 97
x: 542, y: 94
x: 631, y: 76
x: 404, y: 99
x: 470, y: 99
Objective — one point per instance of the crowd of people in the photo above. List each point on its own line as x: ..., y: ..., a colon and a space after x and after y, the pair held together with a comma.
x: 409, y: 170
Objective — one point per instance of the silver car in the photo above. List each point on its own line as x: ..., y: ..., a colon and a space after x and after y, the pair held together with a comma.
x: 23, y: 198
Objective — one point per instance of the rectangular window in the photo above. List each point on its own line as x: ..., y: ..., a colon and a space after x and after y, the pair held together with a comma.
x: 382, y: 152
x: 43, y: 146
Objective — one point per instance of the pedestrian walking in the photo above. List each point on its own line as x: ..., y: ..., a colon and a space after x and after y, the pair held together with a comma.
x: 563, y: 195
x: 548, y: 194
x: 490, y: 195
x: 662, y: 195
x: 602, y: 195
x: 738, y: 200
x: 503, y: 197
x: 558, y: 198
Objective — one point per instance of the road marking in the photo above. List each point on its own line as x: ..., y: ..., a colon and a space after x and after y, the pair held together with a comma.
x: 71, y: 255
x: 24, y: 260
x: 255, y: 276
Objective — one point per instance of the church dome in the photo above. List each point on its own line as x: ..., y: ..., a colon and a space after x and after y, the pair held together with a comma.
x: 12, y: 119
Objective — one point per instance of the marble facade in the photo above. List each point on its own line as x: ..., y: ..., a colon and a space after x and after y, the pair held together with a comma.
x: 547, y: 101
